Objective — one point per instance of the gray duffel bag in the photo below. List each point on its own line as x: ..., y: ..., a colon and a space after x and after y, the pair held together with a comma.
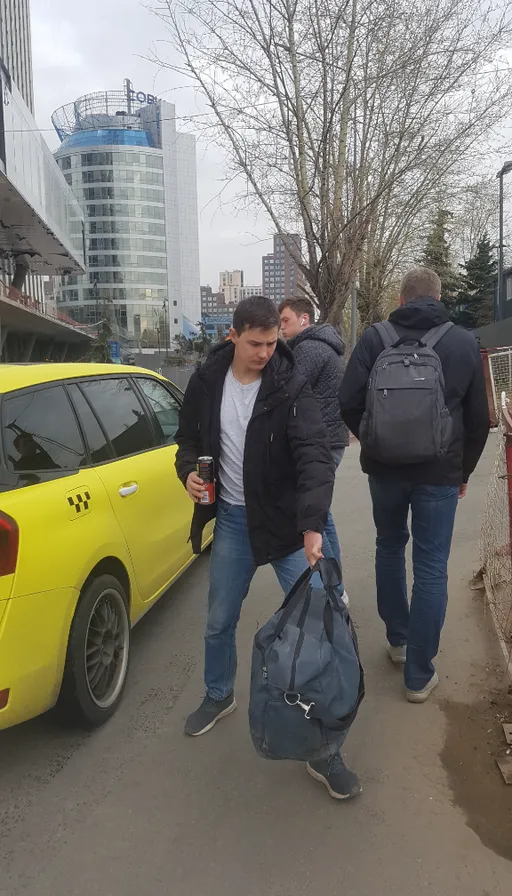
x: 307, y: 681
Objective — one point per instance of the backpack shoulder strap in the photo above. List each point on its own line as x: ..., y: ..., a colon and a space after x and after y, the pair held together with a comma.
x: 433, y: 336
x: 387, y: 333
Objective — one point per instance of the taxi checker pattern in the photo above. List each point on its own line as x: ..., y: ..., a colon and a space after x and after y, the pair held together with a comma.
x: 80, y: 501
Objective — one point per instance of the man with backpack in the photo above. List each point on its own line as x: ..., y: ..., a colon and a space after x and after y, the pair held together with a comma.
x: 414, y: 395
x: 318, y: 353
x: 253, y: 413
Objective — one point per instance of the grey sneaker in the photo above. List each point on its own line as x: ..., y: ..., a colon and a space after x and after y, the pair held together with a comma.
x: 341, y: 783
x: 208, y: 714
x: 397, y: 654
x: 424, y: 694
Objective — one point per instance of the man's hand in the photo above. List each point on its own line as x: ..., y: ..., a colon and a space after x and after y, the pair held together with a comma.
x: 195, y: 486
x: 313, y: 547
x: 462, y: 490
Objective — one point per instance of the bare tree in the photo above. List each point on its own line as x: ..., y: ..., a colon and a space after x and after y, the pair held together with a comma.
x: 396, y: 241
x: 475, y: 213
x: 343, y: 117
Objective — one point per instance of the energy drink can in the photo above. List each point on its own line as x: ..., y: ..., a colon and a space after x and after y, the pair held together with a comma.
x: 206, y: 472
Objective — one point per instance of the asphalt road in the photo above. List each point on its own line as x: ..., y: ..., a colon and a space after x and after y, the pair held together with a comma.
x: 137, y: 808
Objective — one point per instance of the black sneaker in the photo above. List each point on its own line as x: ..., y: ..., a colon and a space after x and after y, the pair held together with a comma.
x: 341, y: 783
x: 208, y: 714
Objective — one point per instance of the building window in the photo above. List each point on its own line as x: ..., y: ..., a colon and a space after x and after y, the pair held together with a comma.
x: 175, y: 320
x: 175, y: 303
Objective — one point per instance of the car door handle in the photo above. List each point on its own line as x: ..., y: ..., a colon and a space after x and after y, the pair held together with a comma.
x: 127, y: 490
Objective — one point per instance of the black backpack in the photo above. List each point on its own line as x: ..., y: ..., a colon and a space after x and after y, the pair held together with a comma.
x: 406, y: 420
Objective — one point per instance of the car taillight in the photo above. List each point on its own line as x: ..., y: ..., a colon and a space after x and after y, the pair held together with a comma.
x: 9, y: 540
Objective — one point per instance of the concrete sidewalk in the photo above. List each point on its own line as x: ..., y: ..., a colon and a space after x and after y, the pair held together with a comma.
x: 137, y: 808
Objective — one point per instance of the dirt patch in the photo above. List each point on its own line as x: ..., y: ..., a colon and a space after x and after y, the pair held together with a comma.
x: 474, y: 738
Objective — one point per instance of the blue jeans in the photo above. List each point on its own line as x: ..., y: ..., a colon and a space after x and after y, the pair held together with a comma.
x: 330, y: 533
x: 433, y: 510
x: 231, y: 570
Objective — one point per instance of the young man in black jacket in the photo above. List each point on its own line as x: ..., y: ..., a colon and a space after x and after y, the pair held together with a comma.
x: 430, y: 490
x: 250, y: 409
x: 318, y: 353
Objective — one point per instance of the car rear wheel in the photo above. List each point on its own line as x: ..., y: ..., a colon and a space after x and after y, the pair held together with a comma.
x: 98, y: 654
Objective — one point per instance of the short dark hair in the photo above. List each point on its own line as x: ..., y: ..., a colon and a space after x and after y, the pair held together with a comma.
x: 255, y: 313
x: 299, y: 306
x: 418, y: 282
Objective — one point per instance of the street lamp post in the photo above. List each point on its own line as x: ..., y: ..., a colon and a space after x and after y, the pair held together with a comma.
x: 166, y: 326
x: 500, y: 175
x: 96, y: 295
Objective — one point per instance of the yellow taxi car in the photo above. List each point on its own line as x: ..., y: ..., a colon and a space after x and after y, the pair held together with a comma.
x: 94, y: 527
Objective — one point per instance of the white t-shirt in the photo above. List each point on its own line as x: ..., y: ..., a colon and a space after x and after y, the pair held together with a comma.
x: 235, y: 412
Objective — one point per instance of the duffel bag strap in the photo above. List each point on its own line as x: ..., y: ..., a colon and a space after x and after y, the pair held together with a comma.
x: 300, y: 591
x: 304, y: 577
x: 330, y: 572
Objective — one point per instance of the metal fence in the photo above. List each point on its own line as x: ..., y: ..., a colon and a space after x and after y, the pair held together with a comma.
x: 496, y: 533
x: 500, y: 369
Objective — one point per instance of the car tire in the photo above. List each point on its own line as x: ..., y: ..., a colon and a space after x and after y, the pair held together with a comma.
x: 97, y: 656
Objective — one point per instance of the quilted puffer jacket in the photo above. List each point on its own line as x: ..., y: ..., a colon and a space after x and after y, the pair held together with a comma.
x: 318, y: 353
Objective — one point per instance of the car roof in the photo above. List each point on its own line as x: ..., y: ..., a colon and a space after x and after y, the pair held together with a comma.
x: 20, y: 376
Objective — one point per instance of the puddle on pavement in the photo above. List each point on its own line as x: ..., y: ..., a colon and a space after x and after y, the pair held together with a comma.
x: 474, y: 738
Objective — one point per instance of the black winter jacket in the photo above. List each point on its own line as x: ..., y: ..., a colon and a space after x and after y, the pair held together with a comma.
x: 288, y: 469
x: 465, y: 394
x: 318, y: 353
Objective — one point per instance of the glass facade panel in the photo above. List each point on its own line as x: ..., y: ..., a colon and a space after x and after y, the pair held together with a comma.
x: 146, y: 194
x: 130, y: 210
x: 153, y: 278
x: 107, y: 137
x: 122, y: 175
x: 147, y: 160
x: 126, y: 244
x: 123, y: 226
x: 127, y: 261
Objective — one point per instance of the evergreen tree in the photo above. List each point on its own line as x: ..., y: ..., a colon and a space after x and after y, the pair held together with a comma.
x: 437, y: 255
x: 479, y: 280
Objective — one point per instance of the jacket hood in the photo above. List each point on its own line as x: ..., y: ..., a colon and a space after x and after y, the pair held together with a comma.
x: 421, y: 314
x: 323, y: 333
x: 277, y: 371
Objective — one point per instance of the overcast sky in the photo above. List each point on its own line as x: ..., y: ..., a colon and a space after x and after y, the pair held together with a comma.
x: 80, y: 47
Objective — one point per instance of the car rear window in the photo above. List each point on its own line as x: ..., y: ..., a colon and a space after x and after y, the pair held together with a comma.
x: 121, y: 415
x: 40, y: 432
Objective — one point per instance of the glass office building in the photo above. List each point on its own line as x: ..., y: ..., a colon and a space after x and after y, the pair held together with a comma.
x: 36, y: 205
x: 135, y: 178
x: 15, y: 46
